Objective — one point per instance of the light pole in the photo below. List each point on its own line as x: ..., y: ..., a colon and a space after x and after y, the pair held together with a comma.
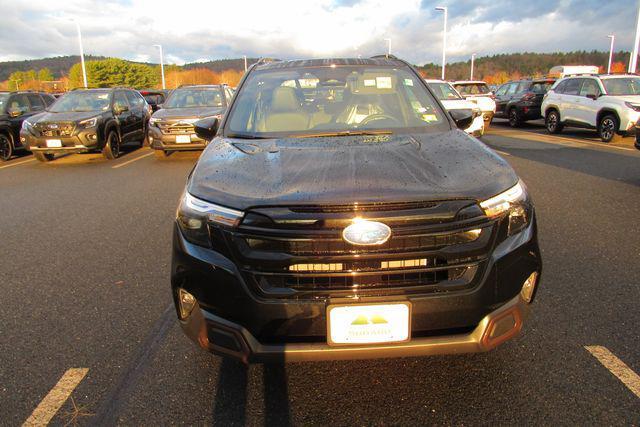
x: 444, y: 38
x: 613, y: 39
x: 245, y: 63
x: 84, y: 70
x: 634, y: 52
x: 473, y: 58
x: 159, y: 46
x: 388, y: 47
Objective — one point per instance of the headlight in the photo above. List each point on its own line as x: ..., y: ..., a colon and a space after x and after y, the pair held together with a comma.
x: 153, y: 121
x: 194, y: 216
x: 26, y: 125
x: 89, y: 123
x: 513, y: 202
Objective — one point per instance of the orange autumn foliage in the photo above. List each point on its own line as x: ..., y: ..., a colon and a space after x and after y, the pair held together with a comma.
x: 199, y: 76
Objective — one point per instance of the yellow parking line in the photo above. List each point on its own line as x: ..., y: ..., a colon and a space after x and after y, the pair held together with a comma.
x: 617, y: 367
x: 556, y: 139
x: 502, y: 153
x: 131, y: 161
x: 17, y: 163
x: 56, y: 397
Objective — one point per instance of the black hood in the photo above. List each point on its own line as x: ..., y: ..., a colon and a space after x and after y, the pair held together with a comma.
x: 69, y: 116
x: 390, y: 168
x: 187, y: 113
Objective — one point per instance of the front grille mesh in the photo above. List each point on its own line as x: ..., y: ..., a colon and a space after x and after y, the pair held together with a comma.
x: 177, y: 128
x: 422, y: 256
x: 55, y: 129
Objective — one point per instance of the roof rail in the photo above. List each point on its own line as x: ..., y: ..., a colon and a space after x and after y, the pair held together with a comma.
x: 385, y: 56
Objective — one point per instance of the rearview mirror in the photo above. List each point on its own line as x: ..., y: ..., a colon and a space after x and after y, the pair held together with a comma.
x: 15, y: 112
x: 463, y: 118
x: 207, y: 128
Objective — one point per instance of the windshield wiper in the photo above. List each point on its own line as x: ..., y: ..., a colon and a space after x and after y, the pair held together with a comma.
x: 244, y: 136
x: 345, y: 133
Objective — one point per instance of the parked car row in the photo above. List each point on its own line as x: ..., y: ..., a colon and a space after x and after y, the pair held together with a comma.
x: 102, y: 120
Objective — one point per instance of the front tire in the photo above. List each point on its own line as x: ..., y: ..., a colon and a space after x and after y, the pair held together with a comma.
x: 608, y: 128
x: 6, y: 147
x: 111, y: 149
x: 552, y: 122
x: 43, y: 157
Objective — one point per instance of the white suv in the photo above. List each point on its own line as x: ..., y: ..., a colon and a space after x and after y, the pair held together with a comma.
x: 608, y: 103
x: 479, y: 93
x: 451, y: 100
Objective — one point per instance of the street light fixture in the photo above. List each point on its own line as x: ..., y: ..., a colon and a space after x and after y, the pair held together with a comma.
x: 245, y: 63
x: 634, y: 52
x: 388, y: 47
x: 159, y: 46
x: 84, y: 70
x: 473, y: 58
x: 444, y: 38
x: 613, y: 39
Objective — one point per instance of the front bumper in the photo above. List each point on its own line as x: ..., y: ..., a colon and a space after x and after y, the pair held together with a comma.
x: 229, y: 319
x: 167, y: 142
x: 80, y: 142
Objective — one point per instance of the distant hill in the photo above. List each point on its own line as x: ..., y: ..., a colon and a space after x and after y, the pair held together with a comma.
x: 59, y: 65
x: 523, y: 64
x: 220, y: 65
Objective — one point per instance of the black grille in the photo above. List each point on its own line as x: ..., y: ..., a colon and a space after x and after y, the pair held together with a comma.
x: 55, y: 129
x: 298, y: 252
x: 177, y: 128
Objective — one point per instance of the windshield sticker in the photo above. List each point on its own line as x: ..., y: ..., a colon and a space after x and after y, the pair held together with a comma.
x: 408, y: 82
x: 105, y: 96
x: 383, y: 82
x: 429, y: 118
x: 368, y: 83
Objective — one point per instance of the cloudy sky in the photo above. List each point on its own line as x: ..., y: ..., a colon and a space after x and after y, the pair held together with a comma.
x: 191, y: 30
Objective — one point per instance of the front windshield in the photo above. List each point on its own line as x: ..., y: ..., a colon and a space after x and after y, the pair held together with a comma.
x: 195, y: 97
x: 473, y: 88
x: 622, y: 86
x: 444, y: 91
x: 81, y: 101
x: 4, y: 97
x: 325, y: 100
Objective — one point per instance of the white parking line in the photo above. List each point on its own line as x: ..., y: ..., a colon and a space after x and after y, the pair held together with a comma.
x: 56, y: 397
x: 131, y: 161
x: 502, y: 153
x: 617, y: 367
x: 17, y: 163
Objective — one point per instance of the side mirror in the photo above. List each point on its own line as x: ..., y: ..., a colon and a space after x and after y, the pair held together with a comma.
x: 463, y: 118
x: 15, y: 112
x: 592, y: 96
x: 207, y: 128
x: 119, y: 109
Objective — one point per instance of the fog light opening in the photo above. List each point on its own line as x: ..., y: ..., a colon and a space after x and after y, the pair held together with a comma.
x: 186, y: 302
x: 529, y: 286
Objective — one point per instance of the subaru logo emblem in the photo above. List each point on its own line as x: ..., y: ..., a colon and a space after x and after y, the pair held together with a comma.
x: 366, y: 233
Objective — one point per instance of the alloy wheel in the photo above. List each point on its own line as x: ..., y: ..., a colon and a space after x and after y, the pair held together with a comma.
x: 5, y: 148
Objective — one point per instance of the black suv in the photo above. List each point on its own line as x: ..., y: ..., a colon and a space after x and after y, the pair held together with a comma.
x: 171, y: 127
x: 86, y: 120
x: 340, y: 213
x: 519, y: 101
x: 15, y: 107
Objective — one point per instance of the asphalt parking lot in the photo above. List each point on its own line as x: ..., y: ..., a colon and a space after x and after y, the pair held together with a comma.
x: 88, y: 334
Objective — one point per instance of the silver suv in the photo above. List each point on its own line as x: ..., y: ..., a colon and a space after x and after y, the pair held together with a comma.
x: 608, y: 103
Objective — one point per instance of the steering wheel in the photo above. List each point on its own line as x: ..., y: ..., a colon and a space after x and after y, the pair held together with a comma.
x: 375, y: 117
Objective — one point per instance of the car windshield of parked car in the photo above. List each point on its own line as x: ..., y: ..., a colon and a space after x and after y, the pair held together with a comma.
x: 444, y: 91
x: 472, y: 89
x: 622, y: 86
x: 333, y: 100
x: 194, y: 98
x: 81, y: 101
x: 4, y: 98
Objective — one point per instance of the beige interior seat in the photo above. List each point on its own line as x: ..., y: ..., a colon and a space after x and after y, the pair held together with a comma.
x: 285, y: 113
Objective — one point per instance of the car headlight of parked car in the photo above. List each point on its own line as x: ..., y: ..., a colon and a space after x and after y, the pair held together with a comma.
x: 27, y: 125
x: 154, y: 121
x: 88, y: 123
x: 513, y: 202
x: 194, y: 216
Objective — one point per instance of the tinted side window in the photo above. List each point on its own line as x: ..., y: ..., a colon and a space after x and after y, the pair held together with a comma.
x: 19, y: 102
x: 135, y: 101
x: 512, y: 88
x: 502, y: 90
x: 36, y: 102
x: 573, y: 87
x: 119, y: 100
x: 561, y: 87
x: 48, y: 99
x: 589, y: 87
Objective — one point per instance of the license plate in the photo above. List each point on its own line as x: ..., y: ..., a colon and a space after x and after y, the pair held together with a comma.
x: 54, y: 143
x: 368, y: 324
x: 183, y: 139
